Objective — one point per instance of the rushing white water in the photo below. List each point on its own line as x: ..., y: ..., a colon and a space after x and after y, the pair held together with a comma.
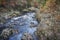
x: 23, y: 24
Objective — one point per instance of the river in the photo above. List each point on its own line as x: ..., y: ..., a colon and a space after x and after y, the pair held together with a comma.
x: 26, y: 23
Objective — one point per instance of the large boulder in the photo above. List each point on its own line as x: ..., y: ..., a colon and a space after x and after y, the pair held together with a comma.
x: 27, y: 36
x: 6, y: 33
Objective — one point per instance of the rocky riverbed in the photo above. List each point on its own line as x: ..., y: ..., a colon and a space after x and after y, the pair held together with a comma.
x: 20, y: 27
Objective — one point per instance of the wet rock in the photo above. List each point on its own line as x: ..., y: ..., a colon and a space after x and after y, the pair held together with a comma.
x: 32, y: 24
x: 15, y: 13
x: 33, y: 9
x: 27, y: 36
x: 6, y: 33
x: 2, y: 20
x: 10, y: 14
x: 25, y: 11
x: 2, y: 27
